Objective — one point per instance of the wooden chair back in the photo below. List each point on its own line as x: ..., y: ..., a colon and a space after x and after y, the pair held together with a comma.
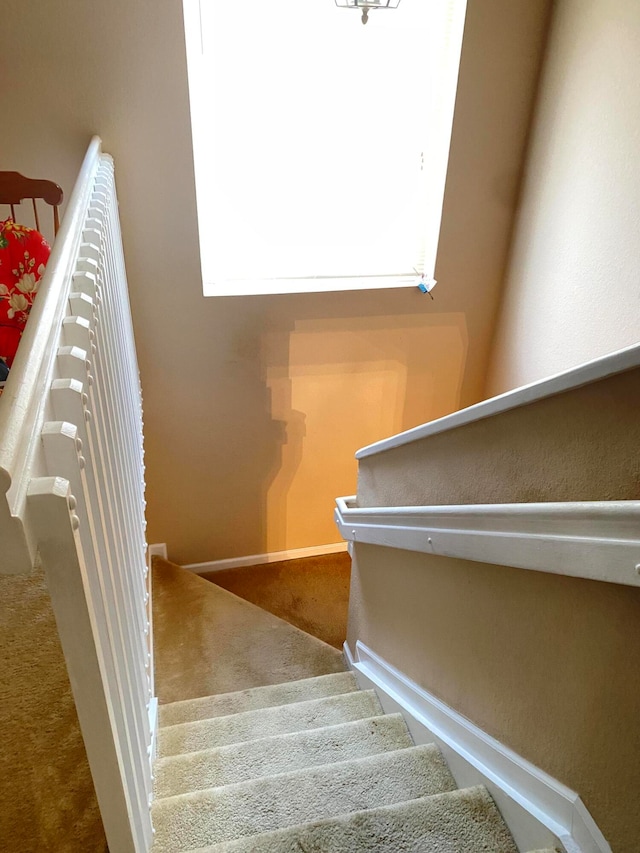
x: 15, y: 188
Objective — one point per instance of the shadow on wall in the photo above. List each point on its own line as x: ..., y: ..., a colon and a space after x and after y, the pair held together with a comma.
x: 336, y: 384
x: 271, y: 396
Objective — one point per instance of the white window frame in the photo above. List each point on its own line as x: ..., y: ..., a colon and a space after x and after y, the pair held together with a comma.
x: 442, y: 110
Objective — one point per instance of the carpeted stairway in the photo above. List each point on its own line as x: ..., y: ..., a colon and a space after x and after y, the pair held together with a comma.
x: 311, y: 765
x: 298, y: 760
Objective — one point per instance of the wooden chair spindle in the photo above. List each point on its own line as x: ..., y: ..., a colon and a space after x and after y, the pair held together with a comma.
x: 35, y: 213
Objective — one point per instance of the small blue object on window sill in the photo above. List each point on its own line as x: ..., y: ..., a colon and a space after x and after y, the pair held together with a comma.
x: 426, y: 285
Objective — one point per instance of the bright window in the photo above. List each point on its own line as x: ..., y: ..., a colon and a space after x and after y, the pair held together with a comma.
x: 320, y: 144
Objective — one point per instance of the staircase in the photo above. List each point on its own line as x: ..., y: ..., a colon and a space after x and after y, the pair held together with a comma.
x: 312, y: 765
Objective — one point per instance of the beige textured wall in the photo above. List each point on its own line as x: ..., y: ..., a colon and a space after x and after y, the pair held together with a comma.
x: 46, y: 790
x: 572, y: 290
x: 546, y: 664
x: 240, y: 393
x: 581, y: 445
x: 342, y: 381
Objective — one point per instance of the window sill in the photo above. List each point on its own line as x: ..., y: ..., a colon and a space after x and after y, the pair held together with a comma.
x: 263, y: 287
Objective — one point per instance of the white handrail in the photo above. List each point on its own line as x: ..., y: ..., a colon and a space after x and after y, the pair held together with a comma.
x: 599, y: 540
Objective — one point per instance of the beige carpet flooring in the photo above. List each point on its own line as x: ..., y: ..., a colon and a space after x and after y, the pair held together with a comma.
x: 275, y: 754
x: 240, y: 701
x: 464, y: 821
x: 312, y: 593
x: 208, y: 817
x: 283, y: 719
x: 209, y: 641
x: 47, y: 799
x: 310, y: 766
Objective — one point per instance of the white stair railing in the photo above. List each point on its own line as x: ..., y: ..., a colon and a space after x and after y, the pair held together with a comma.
x: 75, y: 495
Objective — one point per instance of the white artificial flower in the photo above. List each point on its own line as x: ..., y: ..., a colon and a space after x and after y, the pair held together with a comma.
x: 27, y: 283
x: 18, y: 302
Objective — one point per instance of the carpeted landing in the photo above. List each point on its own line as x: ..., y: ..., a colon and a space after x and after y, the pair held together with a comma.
x: 311, y: 765
x: 209, y: 641
x: 311, y: 593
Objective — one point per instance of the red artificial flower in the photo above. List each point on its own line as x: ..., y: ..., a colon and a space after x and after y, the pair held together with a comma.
x: 23, y: 255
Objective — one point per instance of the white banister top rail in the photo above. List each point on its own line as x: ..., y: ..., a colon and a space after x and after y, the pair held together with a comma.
x: 21, y: 405
x: 592, y: 371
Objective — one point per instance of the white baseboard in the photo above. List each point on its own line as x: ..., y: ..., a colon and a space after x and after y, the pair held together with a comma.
x: 159, y: 549
x: 260, y: 559
x: 539, y: 810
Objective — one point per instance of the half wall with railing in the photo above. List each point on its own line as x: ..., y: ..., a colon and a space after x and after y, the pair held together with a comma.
x: 496, y: 589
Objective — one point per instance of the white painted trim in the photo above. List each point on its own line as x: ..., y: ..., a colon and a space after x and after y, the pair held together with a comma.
x: 469, y: 750
x: 158, y: 549
x: 584, y: 374
x: 153, y: 728
x: 22, y: 403
x: 104, y: 720
x: 148, y: 577
x: 264, y: 559
x: 87, y: 515
x: 599, y: 540
x: 348, y: 657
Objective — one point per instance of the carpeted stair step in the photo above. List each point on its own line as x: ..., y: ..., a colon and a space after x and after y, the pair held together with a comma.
x: 282, y: 719
x: 254, y: 759
x: 221, y: 814
x: 463, y: 821
x: 257, y: 697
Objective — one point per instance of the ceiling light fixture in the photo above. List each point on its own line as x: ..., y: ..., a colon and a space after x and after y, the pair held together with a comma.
x: 366, y: 5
